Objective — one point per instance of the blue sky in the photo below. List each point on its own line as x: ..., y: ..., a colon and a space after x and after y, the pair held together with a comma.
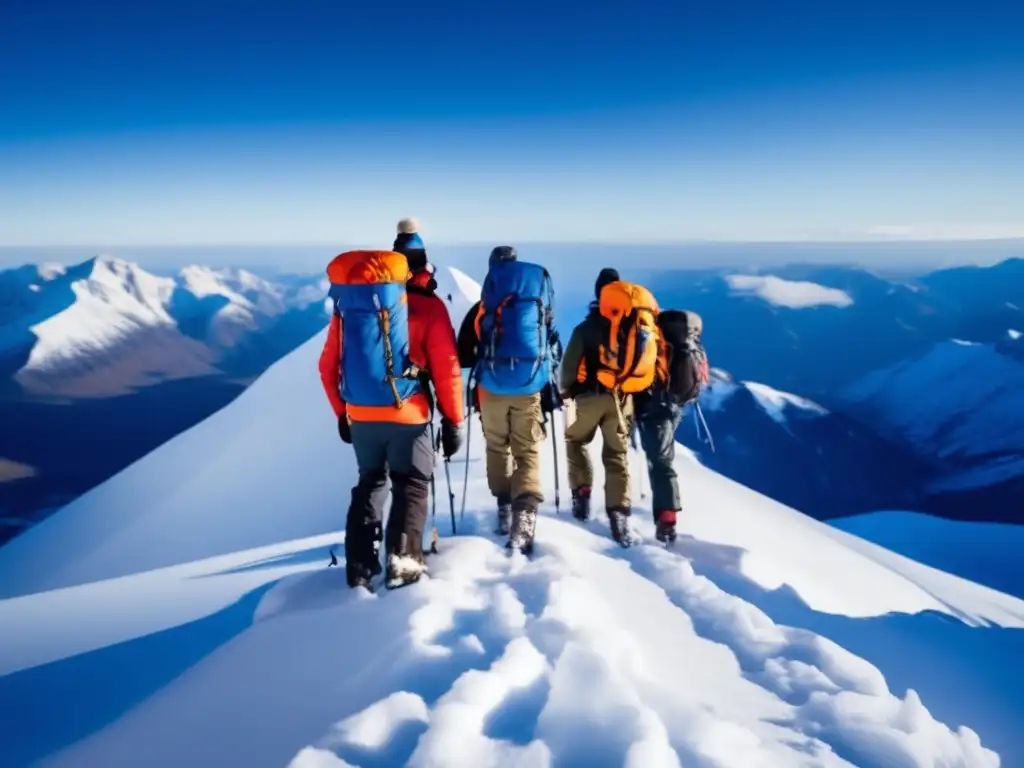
x: 259, y: 122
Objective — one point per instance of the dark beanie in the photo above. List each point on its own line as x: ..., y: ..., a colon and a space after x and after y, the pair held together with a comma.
x: 502, y: 253
x: 607, y: 275
x: 409, y: 244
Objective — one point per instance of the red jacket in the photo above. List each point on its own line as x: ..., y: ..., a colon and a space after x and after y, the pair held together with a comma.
x: 431, y: 347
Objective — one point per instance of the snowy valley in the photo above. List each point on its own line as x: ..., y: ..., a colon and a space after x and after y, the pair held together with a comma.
x: 195, y: 622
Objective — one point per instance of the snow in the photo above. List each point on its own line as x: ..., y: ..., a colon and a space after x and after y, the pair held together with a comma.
x: 115, y: 299
x: 196, y: 589
x: 106, y: 327
x: 466, y: 286
x: 720, y: 388
x: 245, y: 292
x: 776, y: 403
x: 788, y: 293
x: 987, y: 553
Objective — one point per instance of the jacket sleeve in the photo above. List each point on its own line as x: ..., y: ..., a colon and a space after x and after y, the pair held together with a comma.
x: 443, y: 363
x: 571, y: 360
x: 330, y: 366
x: 467, y: 342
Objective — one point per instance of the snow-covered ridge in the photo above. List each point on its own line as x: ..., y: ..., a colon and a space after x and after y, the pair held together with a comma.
x: 774, y: 402
x: 788, y: 293
x: 106, y: 325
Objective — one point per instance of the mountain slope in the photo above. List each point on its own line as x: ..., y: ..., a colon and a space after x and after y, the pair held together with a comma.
x: 198, y: 574
x: 798, y: 452
x: 987, y: 553
x: 104, y: 348
x: 963, y: 404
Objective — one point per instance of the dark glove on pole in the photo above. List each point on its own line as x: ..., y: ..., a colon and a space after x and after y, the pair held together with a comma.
x: 451, y: 437
x: 344, y: 429
x: 550, y: 399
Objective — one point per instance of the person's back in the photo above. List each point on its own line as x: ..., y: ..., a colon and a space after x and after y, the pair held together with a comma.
x: 388, y: 340
x: 682, y: 372
x: 610, y: 355
x: 513, y: 332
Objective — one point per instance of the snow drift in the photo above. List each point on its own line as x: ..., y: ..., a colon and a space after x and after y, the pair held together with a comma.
x: 585, y: 654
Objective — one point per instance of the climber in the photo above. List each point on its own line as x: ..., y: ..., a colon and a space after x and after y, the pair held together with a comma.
x: 509, y: 340
x: 611, y: 355
x: 681, y: 373
x: 389, y: 341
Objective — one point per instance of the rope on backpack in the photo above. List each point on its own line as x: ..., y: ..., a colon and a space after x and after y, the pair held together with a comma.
x: 384, y: 320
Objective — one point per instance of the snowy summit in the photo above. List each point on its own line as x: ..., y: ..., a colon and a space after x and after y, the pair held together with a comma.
x: 197, y: 590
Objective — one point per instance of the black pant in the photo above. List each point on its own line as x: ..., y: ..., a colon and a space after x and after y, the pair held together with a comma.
x: 404, y: 452
x: 657, y: 419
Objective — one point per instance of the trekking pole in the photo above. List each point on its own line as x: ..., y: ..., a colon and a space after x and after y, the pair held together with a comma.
x: 700, y: 412
x: 436, y: 440
x: 636, y: 449
x: 554, y: 450
x: 469, y: 439
x: 451, y: 494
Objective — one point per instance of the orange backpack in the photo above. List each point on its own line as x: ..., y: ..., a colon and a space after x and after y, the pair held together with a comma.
x: 628, y: 356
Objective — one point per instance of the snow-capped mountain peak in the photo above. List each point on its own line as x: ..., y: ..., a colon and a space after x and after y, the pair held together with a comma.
x: 777, y: 403
x: 773, y: 402
x: 107, y: 326
x: 127, y: 288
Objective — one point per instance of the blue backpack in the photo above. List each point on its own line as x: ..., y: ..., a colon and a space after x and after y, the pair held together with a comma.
x: 516, y: 305
x: 368, y: 288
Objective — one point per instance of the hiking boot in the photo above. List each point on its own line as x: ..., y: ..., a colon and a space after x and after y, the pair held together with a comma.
x: 358, y: 576
x: 524, y: 525
x: 504, y: 518
x: 404, y: 570
x: 581, y: 503
x: 618, y: 521
x: 665, y: 527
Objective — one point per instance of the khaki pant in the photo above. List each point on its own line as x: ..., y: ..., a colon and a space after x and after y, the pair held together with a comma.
x: 595, y: 412
x: 514, y: 432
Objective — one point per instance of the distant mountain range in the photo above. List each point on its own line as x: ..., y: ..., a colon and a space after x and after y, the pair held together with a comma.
x: 961, y: 407
x: 846, y: 391
x: 102, y: 361
x: 798, y: 452
x: 815, y: 330
x: 917, y: 386
x: 106, y: 327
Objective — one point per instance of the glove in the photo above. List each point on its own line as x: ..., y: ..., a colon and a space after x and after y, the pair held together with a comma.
x: 451, y: 438
x: 550, y: 399
x: 344, y: 429
x: 555, y: 346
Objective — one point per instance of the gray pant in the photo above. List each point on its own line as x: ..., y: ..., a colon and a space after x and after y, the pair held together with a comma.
x: 657, y: 420
x: 404, y: 452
